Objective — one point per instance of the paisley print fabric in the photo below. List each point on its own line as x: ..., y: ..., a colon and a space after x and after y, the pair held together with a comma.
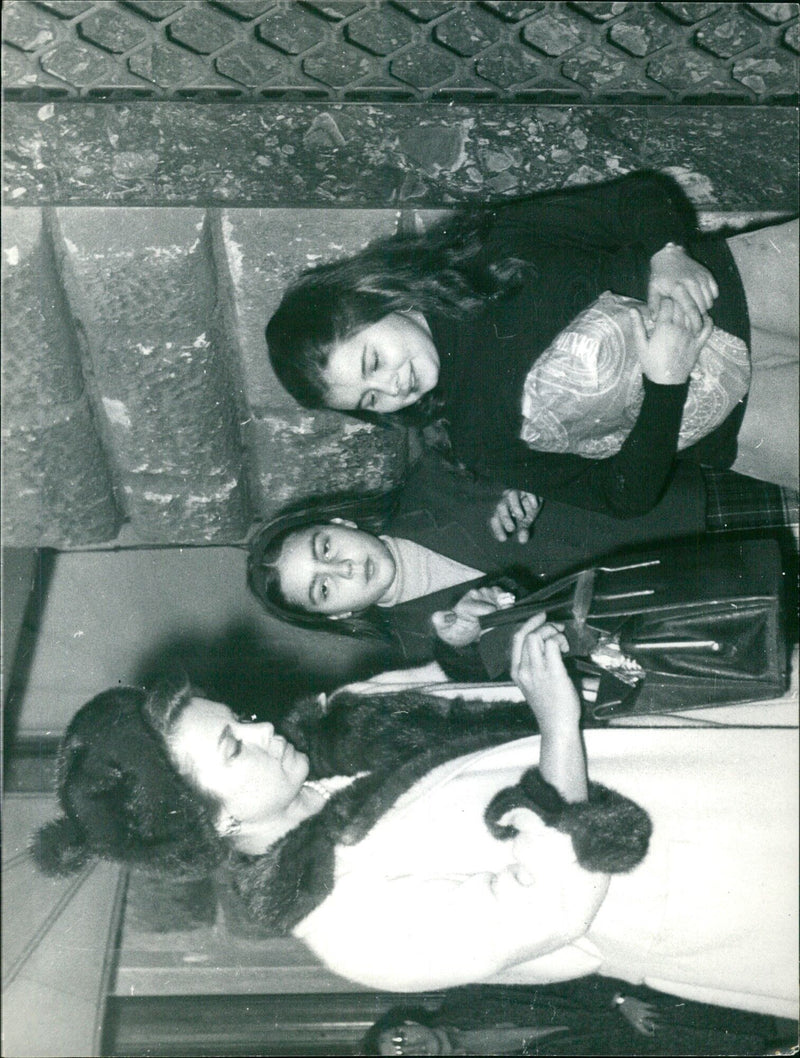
x: 584, y: 393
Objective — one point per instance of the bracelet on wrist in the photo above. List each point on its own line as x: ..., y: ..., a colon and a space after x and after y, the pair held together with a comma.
x: 618, y: 1000
x: 673, y: 246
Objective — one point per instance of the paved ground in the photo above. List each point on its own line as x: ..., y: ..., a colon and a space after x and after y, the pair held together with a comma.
x: 506, y: 50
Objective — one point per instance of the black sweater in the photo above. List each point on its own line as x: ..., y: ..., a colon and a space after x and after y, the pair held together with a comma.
x: 579, y: 243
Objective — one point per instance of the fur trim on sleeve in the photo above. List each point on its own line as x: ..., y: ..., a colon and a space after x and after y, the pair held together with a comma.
x: 609, y: 832
x: 58, y: 848
x: 284, y: 884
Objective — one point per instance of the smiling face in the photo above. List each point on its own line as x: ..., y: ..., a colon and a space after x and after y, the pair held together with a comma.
x: 386, y: 366
x: 334, y: 569
x: 254, y: 774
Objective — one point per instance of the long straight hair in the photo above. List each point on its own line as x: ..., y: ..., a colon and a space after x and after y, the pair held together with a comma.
x: 442, y: 270
x: 371, y: 511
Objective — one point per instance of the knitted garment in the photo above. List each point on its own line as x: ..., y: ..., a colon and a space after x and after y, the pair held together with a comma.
x: 420, y: 571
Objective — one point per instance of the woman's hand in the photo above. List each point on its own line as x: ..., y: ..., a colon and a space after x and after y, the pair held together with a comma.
x: 515, y: 513
x: 671, y: 351
x: 642, y: 1016
x: 538, y: 670
x: 676, y: 275
x: 459, y: 627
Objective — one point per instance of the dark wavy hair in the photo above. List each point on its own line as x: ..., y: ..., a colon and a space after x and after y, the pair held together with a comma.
x: 441, y: 270
x: 122, y: 797
x: 371, y: 511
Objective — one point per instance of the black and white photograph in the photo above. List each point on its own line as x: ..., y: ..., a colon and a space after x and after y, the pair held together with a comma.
x: 400, y: 528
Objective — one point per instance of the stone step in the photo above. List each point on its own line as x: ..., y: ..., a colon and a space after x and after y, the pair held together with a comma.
x: 293, y: 452
x: 58, y: 489
x: 142, y: 291
x: 140, y: 406
x: 137, y: 381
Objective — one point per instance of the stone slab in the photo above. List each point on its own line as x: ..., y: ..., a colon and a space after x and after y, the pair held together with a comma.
x: 376, y: 156
x: 57, y: 484
x: 294, y: 455
x: 265, y: 249
x: 141, y: 286
x: 41, y: 366
x: 290, y: 452
x: 57, y: 489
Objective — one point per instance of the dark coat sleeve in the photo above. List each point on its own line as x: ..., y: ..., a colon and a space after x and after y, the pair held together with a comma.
x: 449, y: 512
x: 410, y: 622
x: 645, y: 209
x: 626, y: 485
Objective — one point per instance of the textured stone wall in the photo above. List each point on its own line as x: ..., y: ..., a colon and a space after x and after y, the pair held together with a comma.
x: 386, y: 155
x: 137, y: 386
x: 168, y: 166
x: 57, y: 487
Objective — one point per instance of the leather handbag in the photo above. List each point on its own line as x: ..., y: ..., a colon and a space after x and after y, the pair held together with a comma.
x: 700, y: 622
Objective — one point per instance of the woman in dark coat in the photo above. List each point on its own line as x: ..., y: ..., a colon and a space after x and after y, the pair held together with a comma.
x: 442, y: 518
x: 450, y: 323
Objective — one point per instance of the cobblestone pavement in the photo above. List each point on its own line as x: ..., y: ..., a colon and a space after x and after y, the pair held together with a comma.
x: 396, y: 50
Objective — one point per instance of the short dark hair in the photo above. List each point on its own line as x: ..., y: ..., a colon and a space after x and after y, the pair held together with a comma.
x: 394, y: 1018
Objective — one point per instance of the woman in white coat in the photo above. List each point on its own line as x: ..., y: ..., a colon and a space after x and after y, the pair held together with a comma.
x: 471, y: 859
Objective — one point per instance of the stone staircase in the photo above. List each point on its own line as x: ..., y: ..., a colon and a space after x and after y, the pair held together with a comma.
x: 138, y: 391
x: 141, y: 265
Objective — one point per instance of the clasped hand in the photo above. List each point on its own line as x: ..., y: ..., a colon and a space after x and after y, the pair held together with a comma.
x: 677, y: 276
x: 537, y: 668
x: 515, y: 513
x: 669, y: 354
x: 680, y: 294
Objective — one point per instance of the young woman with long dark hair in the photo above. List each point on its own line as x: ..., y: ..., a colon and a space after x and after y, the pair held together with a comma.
x: 488, y: 324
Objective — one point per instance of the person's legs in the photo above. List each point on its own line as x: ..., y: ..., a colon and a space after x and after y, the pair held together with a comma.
x: 767, y: 260
x: 767, y: 438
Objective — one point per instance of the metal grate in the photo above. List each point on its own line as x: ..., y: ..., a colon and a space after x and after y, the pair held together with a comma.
x: 396, y: 50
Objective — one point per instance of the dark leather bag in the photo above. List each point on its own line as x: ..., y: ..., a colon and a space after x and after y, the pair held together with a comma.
x: 702, y: 619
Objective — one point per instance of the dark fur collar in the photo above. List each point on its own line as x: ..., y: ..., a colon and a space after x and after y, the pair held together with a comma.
x: 370, y: 732
x: 284, y: 884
